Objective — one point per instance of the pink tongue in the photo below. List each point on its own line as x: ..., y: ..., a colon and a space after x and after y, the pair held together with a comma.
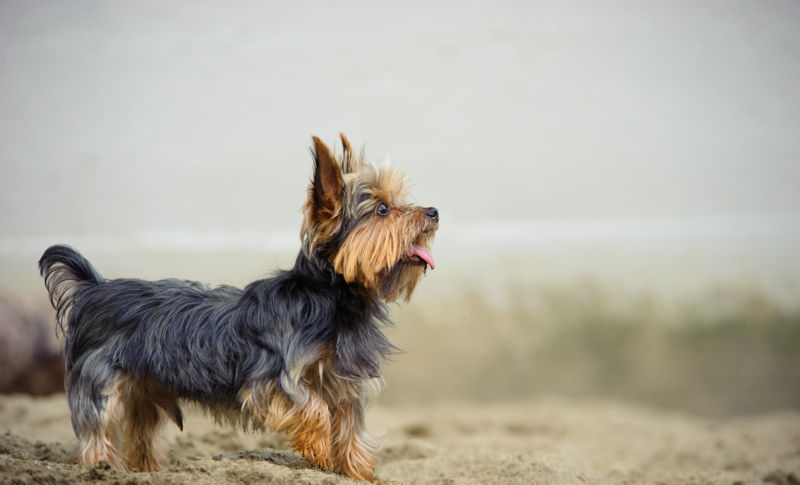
x: 423, y: 253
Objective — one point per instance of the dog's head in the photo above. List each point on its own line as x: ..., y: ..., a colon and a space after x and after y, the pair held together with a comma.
x: 357, y: 219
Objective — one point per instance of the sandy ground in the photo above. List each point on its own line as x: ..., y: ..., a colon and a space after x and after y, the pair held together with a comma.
x: 542, y: 441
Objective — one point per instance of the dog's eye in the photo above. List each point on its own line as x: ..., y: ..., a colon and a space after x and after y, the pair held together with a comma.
x: 383, y: 209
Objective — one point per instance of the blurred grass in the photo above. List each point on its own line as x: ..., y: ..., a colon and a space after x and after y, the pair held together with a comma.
x: 728, y: 350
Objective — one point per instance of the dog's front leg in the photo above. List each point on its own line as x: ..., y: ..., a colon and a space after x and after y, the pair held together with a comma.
x: 353, y: 449
x: 307, y: 426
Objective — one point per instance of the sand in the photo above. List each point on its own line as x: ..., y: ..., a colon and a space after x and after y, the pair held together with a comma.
x: 541, y: 441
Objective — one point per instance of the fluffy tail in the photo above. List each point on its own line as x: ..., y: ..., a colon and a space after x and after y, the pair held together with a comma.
x: 65, y: 271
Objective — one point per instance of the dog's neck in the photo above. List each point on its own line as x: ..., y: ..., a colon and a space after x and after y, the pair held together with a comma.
x: 320, y: 270
x: 358, y: 317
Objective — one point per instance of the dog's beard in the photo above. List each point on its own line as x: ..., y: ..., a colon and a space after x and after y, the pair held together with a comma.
x: 401, y: 279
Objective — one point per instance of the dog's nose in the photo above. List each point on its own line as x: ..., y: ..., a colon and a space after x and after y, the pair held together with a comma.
x: 433, y: 213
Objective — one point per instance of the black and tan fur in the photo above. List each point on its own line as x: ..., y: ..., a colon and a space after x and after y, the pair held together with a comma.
x: 297, y: 353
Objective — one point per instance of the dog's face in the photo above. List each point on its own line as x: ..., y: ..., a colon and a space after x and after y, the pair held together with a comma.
x: 358, y: 218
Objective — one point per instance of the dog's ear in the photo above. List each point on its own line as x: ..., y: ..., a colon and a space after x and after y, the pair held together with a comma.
x: 347, y: 157
x: 327, y: 184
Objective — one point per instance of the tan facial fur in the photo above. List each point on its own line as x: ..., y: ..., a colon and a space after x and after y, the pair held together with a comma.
x: 345, y: 195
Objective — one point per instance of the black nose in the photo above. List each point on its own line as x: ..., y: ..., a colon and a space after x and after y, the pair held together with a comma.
x: 433, y: 213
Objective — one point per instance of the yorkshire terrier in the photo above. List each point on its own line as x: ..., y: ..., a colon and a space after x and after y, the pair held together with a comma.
x: 298, y: 353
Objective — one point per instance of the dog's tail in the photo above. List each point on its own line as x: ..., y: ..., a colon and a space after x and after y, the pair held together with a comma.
x: 65, y: 271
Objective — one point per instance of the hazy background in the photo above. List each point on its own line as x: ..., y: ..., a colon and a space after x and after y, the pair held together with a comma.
x: 618, y: 181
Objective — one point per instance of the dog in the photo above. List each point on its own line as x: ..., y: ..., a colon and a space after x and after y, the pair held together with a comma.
x: 298, y: 353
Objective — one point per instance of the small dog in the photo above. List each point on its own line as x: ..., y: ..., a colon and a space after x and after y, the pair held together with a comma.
x: 298, y: 353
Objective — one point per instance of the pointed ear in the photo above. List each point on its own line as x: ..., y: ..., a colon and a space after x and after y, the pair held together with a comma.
x: 327, y: 177
x: 348, y: 154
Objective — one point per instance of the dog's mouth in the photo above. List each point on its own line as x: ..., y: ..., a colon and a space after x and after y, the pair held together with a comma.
x: 419, y: 255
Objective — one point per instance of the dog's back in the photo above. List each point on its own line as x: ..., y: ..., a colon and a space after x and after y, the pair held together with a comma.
x: 181, y: 333
x: 169, y: 339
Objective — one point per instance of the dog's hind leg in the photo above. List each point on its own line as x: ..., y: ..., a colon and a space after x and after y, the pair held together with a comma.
x: 142, y: 423
x: 93, y: 393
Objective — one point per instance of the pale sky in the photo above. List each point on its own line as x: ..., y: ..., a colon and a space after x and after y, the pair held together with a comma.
x: 130, y: 118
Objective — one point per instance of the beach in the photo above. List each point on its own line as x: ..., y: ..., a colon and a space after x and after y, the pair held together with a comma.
x: 538, y: 441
